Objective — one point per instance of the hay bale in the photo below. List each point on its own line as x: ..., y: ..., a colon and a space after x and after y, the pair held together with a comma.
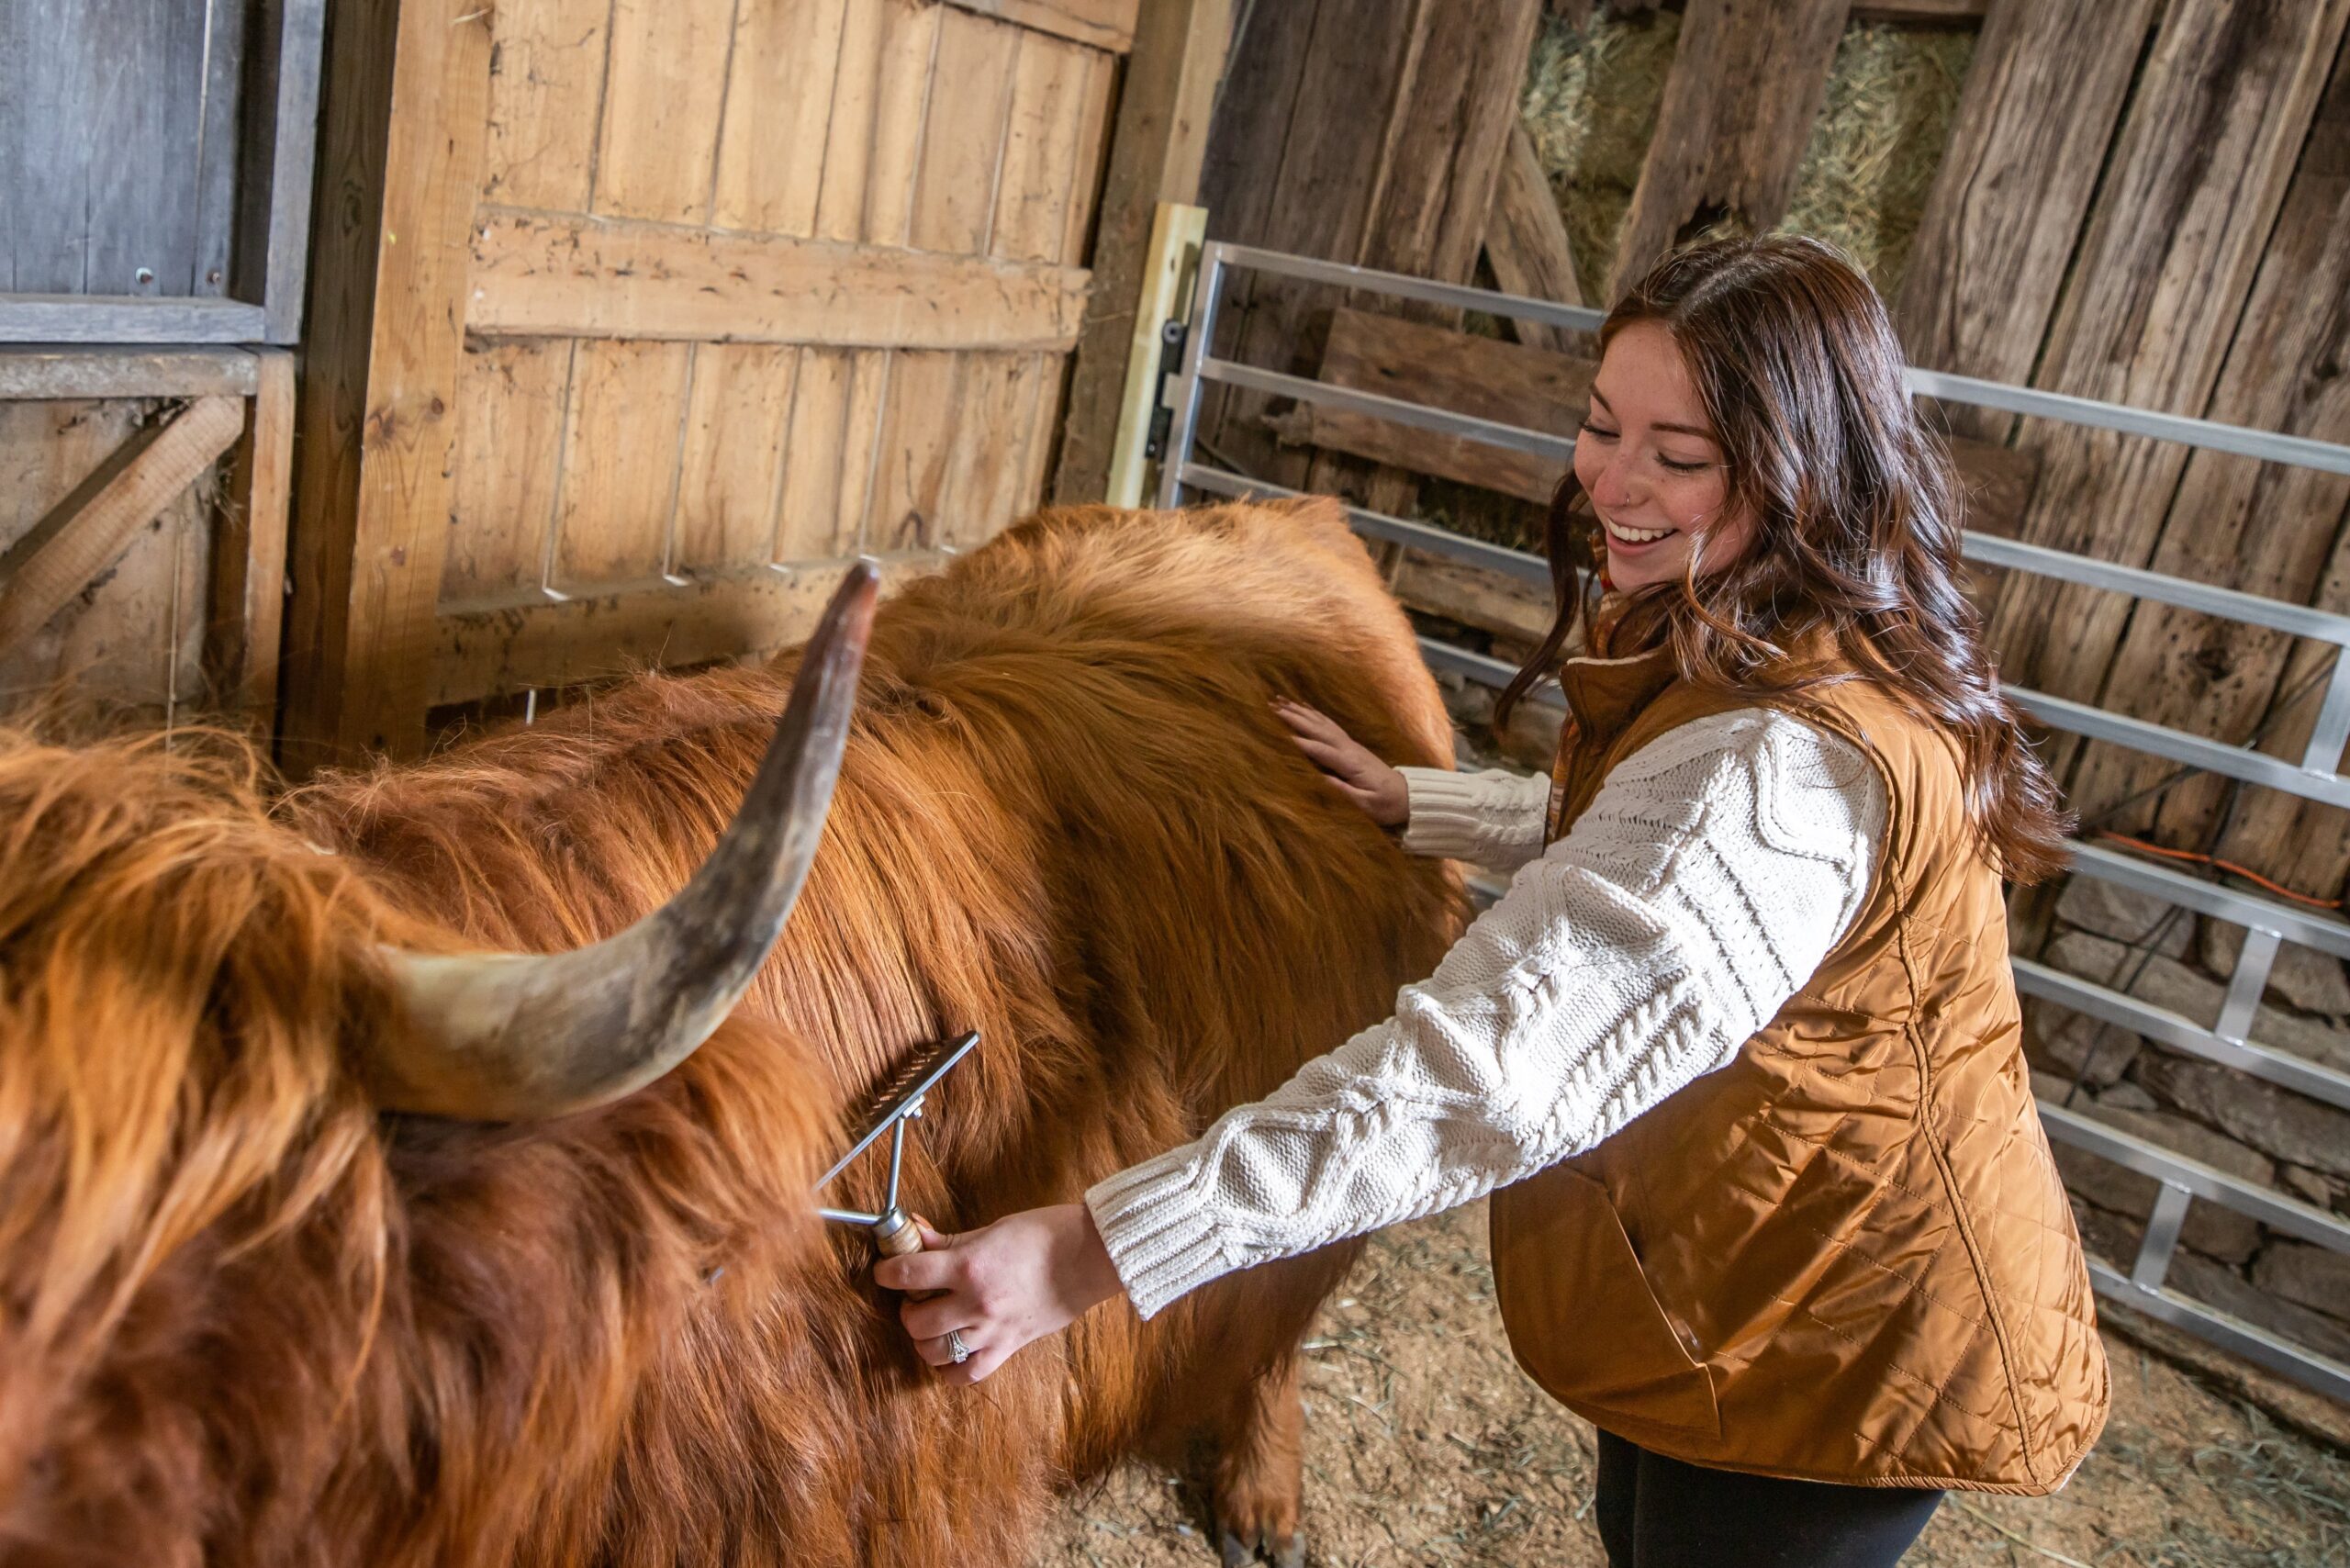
x: 1593, y: 94
x: 1892, y: 96
x: 1590, y: 105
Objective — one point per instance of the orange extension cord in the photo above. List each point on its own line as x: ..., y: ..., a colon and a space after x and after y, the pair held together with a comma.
x: 2216, y: 864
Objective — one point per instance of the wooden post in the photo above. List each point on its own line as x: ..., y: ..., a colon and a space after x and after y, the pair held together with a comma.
x: 244, y: 627
x: 407, y: 110
x: 1156, y: 156
x: 1748, y: 79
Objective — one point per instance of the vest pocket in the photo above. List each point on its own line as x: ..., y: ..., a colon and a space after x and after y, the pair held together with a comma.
x: 1582, y: 1319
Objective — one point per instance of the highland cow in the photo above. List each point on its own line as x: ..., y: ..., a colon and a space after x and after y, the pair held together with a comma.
x: 324, y: 1239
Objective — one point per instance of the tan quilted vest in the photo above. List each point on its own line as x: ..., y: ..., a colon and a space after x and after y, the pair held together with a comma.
x: 1847, y: 1256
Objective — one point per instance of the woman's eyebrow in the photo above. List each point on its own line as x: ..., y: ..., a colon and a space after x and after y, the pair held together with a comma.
x: 1698, y: 431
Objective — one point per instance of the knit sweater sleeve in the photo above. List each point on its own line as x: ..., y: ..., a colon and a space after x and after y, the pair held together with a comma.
x: 1716, y: 869
x: 1492, y: 819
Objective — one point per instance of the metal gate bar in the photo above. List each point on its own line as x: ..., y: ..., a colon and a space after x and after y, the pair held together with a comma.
x: 2269, y: 922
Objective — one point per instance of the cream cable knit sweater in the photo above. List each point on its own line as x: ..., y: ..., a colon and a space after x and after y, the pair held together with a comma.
x: 1713, y: 872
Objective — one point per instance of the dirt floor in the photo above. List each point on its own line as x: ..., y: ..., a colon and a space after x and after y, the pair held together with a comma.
x: 1426, y: 1445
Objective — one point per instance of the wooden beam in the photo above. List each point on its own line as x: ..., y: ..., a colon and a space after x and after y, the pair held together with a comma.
x: 292, y: 128
x: 2030, y: 133
x: 82, y: 535
x: 1155, y: 155
x: 2214, y: 129
x: 386, y: 327
x: 248, y: 580
x: 2264, y: 527
x: 120, y: 372
x: 492, y: 653
x: 108, y: 319
x: 580, y: 277
x: 1104, y: 24
x: 1526, y: 239
x: 1747, y: 80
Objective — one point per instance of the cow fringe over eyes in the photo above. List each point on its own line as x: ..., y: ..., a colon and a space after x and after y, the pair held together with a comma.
x: 247, y: 1318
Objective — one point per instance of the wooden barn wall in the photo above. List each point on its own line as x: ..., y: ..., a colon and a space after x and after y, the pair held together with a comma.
x: 2139, y: 201
x: 696, y: 301
x: 142, y: 534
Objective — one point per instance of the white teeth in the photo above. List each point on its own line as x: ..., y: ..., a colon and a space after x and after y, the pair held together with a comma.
x: 1633, y: 535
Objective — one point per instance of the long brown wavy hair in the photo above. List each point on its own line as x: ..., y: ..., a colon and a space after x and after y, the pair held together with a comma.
x: 1857, y: 514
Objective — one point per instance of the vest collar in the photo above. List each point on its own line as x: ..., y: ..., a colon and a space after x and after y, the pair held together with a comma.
x: 1605, y: 695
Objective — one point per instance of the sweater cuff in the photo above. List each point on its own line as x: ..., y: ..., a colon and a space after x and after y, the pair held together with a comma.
x: 1160, y: 1232
x: 1491, y: 819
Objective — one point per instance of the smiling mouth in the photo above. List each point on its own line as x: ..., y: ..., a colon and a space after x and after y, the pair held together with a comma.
x: 1623, y: 535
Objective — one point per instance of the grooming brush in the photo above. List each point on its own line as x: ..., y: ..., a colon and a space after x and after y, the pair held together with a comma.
x: 894, y: 1104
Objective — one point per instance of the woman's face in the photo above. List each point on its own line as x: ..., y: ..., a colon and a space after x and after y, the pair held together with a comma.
x: 1650, y: 462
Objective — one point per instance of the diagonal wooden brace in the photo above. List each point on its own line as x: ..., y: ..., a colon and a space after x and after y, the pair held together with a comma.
x: 86, y: 533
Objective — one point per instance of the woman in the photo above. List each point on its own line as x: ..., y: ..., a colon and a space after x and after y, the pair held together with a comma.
x: 1740, y: 1045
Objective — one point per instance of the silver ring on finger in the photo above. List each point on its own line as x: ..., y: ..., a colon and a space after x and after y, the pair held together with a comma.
x: 955, y: 1348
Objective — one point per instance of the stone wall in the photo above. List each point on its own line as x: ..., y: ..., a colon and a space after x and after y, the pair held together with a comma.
x: 2176, y: 959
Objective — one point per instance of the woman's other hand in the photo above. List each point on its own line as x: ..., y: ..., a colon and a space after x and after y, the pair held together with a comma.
x: 999, y: 1287
x: 1346, y: 763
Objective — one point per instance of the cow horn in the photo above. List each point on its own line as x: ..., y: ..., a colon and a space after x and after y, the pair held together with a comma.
x: 510, y: 1037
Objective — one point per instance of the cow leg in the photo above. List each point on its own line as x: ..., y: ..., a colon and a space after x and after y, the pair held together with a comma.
x: 1259, y: 1469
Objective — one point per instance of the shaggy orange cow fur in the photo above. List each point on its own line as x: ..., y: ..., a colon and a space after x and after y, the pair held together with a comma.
x: 247, y: 1318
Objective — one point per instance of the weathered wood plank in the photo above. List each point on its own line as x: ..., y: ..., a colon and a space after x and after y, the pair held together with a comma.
x: 736, y: 420
x: 491, y: 653
x: 620, y: 462
x: 2033, y: 123
x: 280, y: 233
x: 1747, y: 80
x: 1318, y: 168
x: 1156, y: 156
x: 901, y: 91
x: 79, y: 319
x: 990, y: 463
x: 27, y: 372
x: 1037, y: 457
x: 247, y: 592
x: 860, y: 448
x: 577, y: 277
x: 848, y: 133
x: 385, y: 345
x: 917, y: 438
x: 809, y: 517
x: 1526, y: 241
x: 1094, y: 99
x: 964, y: 133
x: 1449, y: 135
x: 215, y: 160
x: 2264, y: 527
x: 545, y: 97
x: 1102, y: 24
x: 1040, y: 149
x: 105, y: 145
x: 658, y: 143
x: 779, y: 105
x: 2212, y: 134
x: 512, y: 399
x: 42, y: 571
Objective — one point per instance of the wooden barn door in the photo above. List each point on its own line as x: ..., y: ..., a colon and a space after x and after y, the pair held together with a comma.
x: 634, y: 321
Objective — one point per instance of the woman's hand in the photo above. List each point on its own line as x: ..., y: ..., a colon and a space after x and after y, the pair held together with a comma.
x: 1346, y: 764
x: 1023, y: 1277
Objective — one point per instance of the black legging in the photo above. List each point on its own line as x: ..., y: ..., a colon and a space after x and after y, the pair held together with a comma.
x: 1660, y: 1513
